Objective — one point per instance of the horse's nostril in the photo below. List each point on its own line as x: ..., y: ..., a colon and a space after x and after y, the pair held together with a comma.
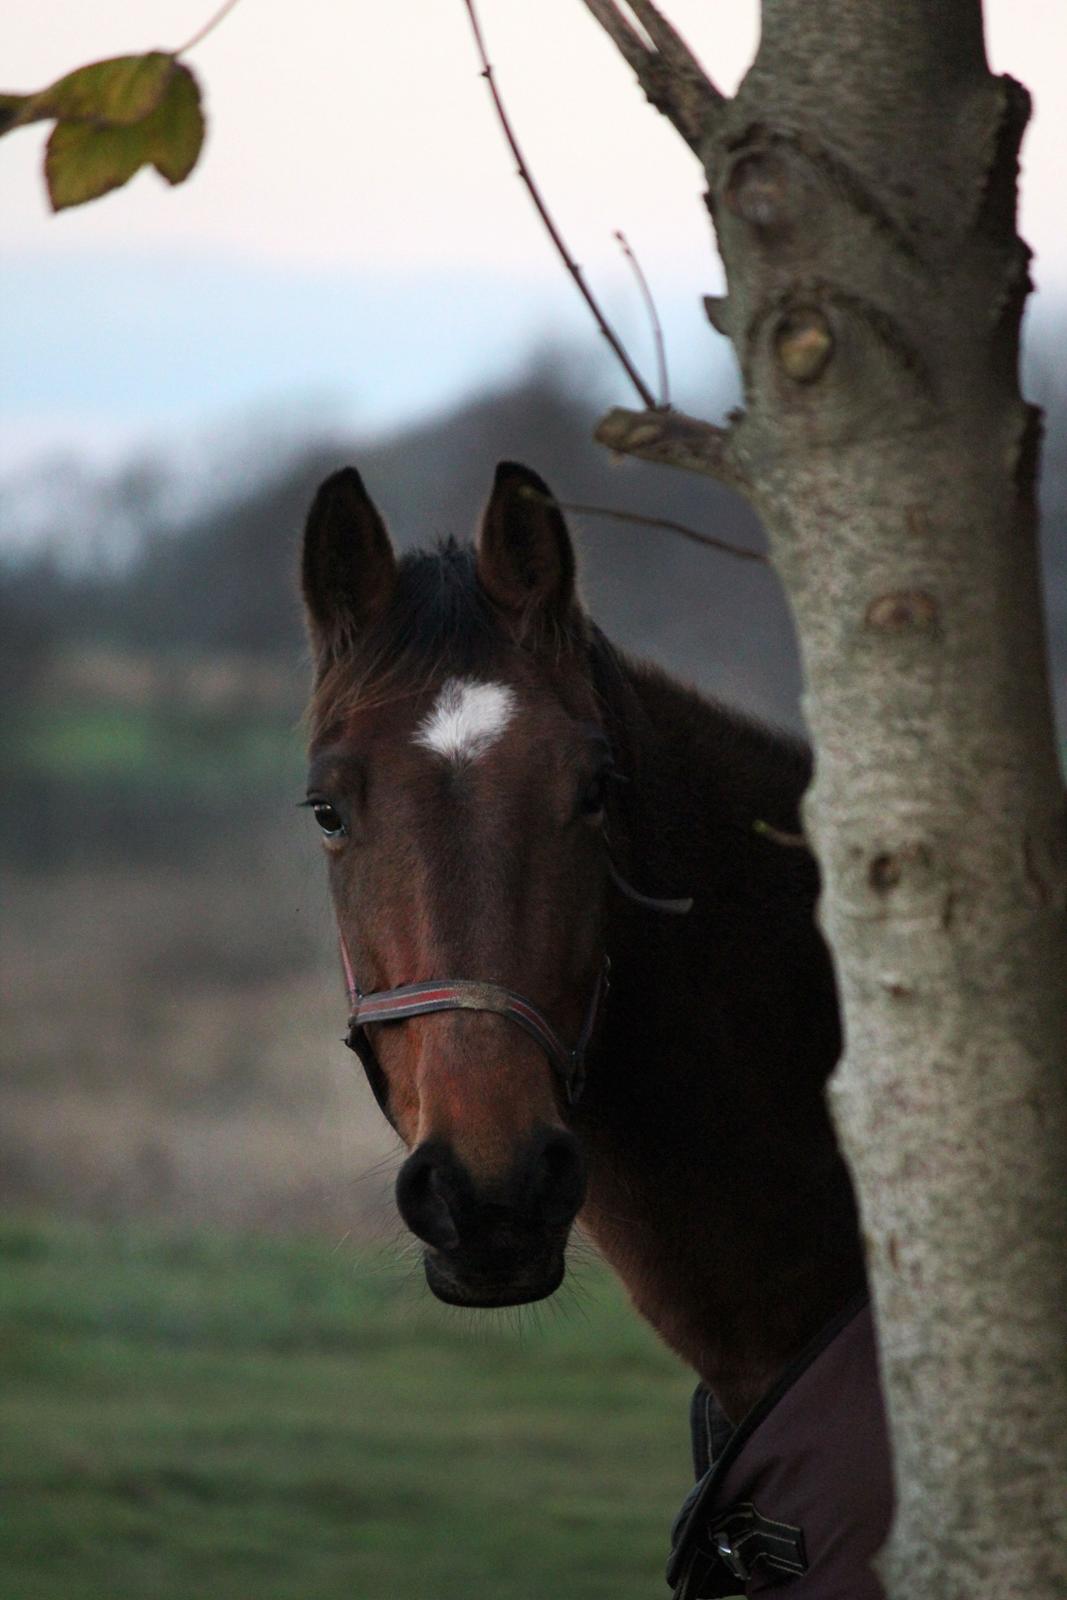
x: 444, y: 1206
x: 558, y: 1181
x: 425, y: 1194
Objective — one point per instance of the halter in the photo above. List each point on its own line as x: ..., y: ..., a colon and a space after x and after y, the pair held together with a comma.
x: 471, y: 994
x: 467, y: 994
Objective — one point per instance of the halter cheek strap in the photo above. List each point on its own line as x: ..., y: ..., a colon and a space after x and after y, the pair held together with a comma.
x: 466, y: 994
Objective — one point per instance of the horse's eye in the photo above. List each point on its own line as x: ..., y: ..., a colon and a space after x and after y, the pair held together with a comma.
x: 327, y: 818
x: 595, y: 794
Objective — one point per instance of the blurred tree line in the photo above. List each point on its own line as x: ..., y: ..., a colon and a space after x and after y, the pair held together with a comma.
x: 153, y: 689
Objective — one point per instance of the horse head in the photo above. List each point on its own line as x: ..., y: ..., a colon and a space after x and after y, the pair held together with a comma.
x: 459, y: 771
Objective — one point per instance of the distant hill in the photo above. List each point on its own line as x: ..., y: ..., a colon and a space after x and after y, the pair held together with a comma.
x: 222, y: 579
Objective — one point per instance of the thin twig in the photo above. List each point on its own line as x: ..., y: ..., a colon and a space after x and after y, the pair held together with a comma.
x: 695, y: 534
x: 209, y: 27
x: 667, y: 70
x: 653, y: 317
x: 553, y: 232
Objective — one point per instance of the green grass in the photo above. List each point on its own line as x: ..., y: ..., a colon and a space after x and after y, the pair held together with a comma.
x: 249, y: 1419
x: 183, y: 751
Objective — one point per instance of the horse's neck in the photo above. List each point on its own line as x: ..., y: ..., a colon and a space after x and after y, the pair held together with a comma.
x: 716, y: 1189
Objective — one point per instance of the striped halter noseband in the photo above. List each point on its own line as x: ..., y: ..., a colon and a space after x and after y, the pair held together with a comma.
x: 471, y: 994
x: 466, y: 994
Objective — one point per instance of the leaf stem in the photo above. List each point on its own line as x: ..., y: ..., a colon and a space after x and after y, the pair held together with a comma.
x: 209, y: 27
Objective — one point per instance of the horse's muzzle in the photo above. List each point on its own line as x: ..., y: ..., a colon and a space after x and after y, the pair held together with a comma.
x: 498, y: 1243
x: 519, y: 1285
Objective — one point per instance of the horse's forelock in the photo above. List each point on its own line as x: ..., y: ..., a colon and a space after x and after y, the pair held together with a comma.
x: 440, y: 623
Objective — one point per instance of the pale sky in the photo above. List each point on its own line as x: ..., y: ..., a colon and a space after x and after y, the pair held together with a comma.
x: 355, y: 237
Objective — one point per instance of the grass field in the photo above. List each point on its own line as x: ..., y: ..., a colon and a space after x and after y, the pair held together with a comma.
x: 253, y: 1419
x: 194, y: 754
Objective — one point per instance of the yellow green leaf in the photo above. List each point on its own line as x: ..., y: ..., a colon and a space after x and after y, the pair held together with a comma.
x: 121, y: 91
x: 86, y: 159
x: 83, y: 162
x: 179, y: 128
x: 116, y: 93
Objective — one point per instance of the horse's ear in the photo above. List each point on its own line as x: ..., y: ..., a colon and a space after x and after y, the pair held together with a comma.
x: 525, y: 556
x: 348, y: 567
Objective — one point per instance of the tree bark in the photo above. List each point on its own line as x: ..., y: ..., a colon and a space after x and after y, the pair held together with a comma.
x: 862, y: 186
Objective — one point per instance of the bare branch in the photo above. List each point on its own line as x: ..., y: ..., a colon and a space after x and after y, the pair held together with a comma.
x: 666, y: 38
x: 623, y: 34
x: 553, y: 232
x: 680, y: 528
x: 653, y: 317
x: 693, y: 82
x: 667, y: 70
x: 672, y: 439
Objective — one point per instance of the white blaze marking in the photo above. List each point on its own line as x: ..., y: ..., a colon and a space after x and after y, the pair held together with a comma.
x: 466, y: 719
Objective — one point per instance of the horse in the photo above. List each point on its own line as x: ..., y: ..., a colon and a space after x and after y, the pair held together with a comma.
x: 584, y: 973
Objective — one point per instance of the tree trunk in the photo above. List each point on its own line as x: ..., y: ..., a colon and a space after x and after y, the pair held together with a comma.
x: 862, y: 185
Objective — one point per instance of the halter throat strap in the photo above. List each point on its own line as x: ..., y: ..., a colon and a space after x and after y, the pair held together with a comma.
x: 466, y: 994
x: 679, y: 907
